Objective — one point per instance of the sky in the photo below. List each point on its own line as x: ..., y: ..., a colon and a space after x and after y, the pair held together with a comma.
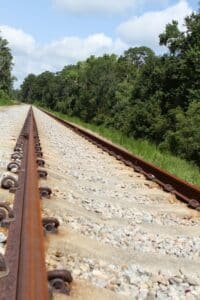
x: 49, y: 34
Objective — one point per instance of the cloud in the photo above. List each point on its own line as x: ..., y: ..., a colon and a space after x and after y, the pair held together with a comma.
x: 145, y: 29
x: 105, y: 6
x: 32, y: 57
x: 18, y: 39
x: 74, y: 48
x: 94, y: 6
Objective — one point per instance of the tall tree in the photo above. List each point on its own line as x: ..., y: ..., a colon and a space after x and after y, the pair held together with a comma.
x: 149, y: 96
x: 183, y: 62
x: 5, y: 66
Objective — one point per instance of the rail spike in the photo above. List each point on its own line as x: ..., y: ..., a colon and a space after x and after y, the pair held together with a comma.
x: 168, y: 188
x: 45, y: 192
x: 150, y: 177
x: 193, y: 203
x: 138, y: 169
x: 40, y: 162
x: 5, y: 212
x: 13, y: 166
x: 42, y: 173
x: 39, y: 153
x: 59, y: 281
x: 9, y: 182
x: 16, y: 155
x: 50, y: 224
x: 18, y: 149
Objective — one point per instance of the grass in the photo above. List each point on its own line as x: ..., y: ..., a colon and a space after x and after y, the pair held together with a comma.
x: 5, y: 102
x: 146, y: 150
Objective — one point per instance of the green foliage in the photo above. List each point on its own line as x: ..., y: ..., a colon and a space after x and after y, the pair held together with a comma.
x: 138, y: 56
x: 142, y: 95
x: 146, y: 120
x: 5, y: 99
x: 4, y: 95
x: 5, y: 67
x: 184, y: 140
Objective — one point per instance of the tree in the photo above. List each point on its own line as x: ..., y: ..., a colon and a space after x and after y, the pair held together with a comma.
x: 27, y: 88
x: 5, y: 66
x: 140, y: 93
x: 183, y: 61
x: 138, y: 55
x: 184, y: 139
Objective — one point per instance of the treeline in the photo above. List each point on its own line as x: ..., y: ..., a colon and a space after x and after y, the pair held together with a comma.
x: 6, y: 79
x: 139, y: 93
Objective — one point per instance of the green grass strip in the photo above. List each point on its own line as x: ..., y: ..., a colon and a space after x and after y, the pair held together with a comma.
x: 145, y: 150
x: 5, y: 102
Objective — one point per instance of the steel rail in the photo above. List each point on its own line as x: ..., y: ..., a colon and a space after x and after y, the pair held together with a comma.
x: 182, y: 189
x: 24, y: 257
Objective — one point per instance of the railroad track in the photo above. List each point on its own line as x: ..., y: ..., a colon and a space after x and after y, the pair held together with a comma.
x: 181, y: 189
x: 23, y: 273
x: 122, y: 232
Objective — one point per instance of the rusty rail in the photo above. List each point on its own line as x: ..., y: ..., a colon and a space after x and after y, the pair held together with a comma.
x: 170, y: 183
x: 22, y: 271
x: 25, y: 263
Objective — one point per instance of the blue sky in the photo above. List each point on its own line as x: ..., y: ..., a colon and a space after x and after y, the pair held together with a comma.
x: 49, y: 34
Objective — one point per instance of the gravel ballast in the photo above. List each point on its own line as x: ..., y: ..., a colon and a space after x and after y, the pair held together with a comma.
x: 11, y: 120
x: 119, y: 232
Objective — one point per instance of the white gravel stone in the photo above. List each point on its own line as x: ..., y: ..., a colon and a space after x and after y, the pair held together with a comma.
x: 11, y: 120
x: 3, y: 237
x: 129, y: 280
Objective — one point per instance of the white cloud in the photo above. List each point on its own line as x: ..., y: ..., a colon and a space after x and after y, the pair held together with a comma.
x: 74, y: 48
x: 145, y: 29
x: 32, y: 57
x: 18, y: 39
x: 104, y: 6
x: 94, y: 6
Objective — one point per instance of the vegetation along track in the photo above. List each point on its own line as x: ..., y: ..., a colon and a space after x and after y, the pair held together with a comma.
x: 121, y: 235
